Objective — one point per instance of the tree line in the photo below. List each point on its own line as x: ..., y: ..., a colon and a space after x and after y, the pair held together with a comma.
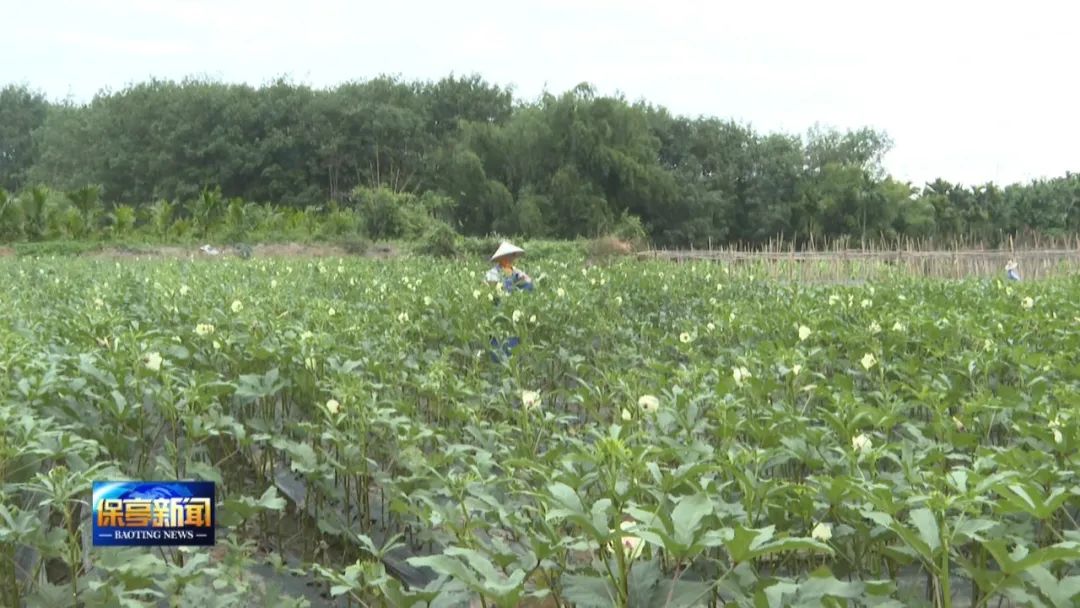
x: 464, y: 152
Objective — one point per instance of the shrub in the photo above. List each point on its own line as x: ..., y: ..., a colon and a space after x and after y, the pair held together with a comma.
x: 439, y: 240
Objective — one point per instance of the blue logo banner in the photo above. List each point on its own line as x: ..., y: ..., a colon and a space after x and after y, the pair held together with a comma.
x: 153, y: 513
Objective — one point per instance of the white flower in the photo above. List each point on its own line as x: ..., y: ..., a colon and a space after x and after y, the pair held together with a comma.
x: 684, y: 338
x: 902, y: 298
x: 491, y: 297
x: 626, y: 416
x: 403, y: 317
x: 532, y: 319
x: 341, y: 269
x: 152, y: 361
x: 517, y: 316
x: 731, y: 317
x: 309, y: 363
x: 427, y: 301
x: 898, y: 326
x: 875, y: 328
x: 99, y: 302
x: 833, y: 299
x: 217, y: 345
x: 530, y: 399
x: 867, y: 303
x: 796, y: 369
x: 868, y: 360
x: 476, y: 294
x: 306, y: 335
x: 740, y: 374
x: 273, y: 283
x: 237, y: 306
x: 331, y: 312
x: 1027, y: 302
x: 804, y: 332
x: 648, y: 403
x: 184, y: 290
x: 822, y: 532
x: 592, y: 281
x: 204, y: 329
x: 618, y: 300
x: 560, y: 292
x: 710, y: 326
x: 861, y: 443
x: 988, y: 344
x: 1057, y: 436
x: 958, y: 423
x: 333, y: 406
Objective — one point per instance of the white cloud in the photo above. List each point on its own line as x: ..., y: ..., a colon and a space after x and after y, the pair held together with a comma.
x: 970, y: 91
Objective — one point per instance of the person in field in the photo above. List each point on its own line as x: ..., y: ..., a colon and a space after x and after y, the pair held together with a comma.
x: 510, y: 277
x: 1011, y: 271
x: 504, y: 270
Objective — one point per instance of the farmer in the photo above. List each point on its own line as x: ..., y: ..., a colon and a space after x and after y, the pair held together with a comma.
x: 1011, y: 271
x: 504, y: 272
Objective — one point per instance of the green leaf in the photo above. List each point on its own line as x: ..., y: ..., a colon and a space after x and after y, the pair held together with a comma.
x: 927, y: 525
x: 588, y: 591
x: 566, y: 496
x: 687, y: 516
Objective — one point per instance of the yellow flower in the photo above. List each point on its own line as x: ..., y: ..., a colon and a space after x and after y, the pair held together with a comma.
x: 822, y: 532
x: 631, y: 545
x: 648, y: 403
x: 804, y: 332
x: 237, y: 306
x: 530, y: 399
x: 740, y: 374
x: 1055, y: 427
x: 152, y: 361
x: 868, y: 361
x: 204, y: 329
x: 331, y: 312
x: 861, y: 443
x: 333, y: 406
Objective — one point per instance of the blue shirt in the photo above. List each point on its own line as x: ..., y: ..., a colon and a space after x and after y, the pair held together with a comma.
x: 515, y: 278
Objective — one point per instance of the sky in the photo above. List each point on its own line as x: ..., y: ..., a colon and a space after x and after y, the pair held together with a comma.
x: 970, y: 92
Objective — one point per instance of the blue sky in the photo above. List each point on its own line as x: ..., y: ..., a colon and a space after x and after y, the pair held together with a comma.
x: 968, y: 91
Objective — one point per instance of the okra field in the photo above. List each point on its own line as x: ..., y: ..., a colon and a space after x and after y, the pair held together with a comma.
x: 675, y: 435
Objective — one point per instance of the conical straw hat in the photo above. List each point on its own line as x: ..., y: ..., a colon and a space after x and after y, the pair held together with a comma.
x: 506, y: 249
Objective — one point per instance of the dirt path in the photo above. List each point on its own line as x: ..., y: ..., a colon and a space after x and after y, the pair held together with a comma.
x: 381, y: 251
